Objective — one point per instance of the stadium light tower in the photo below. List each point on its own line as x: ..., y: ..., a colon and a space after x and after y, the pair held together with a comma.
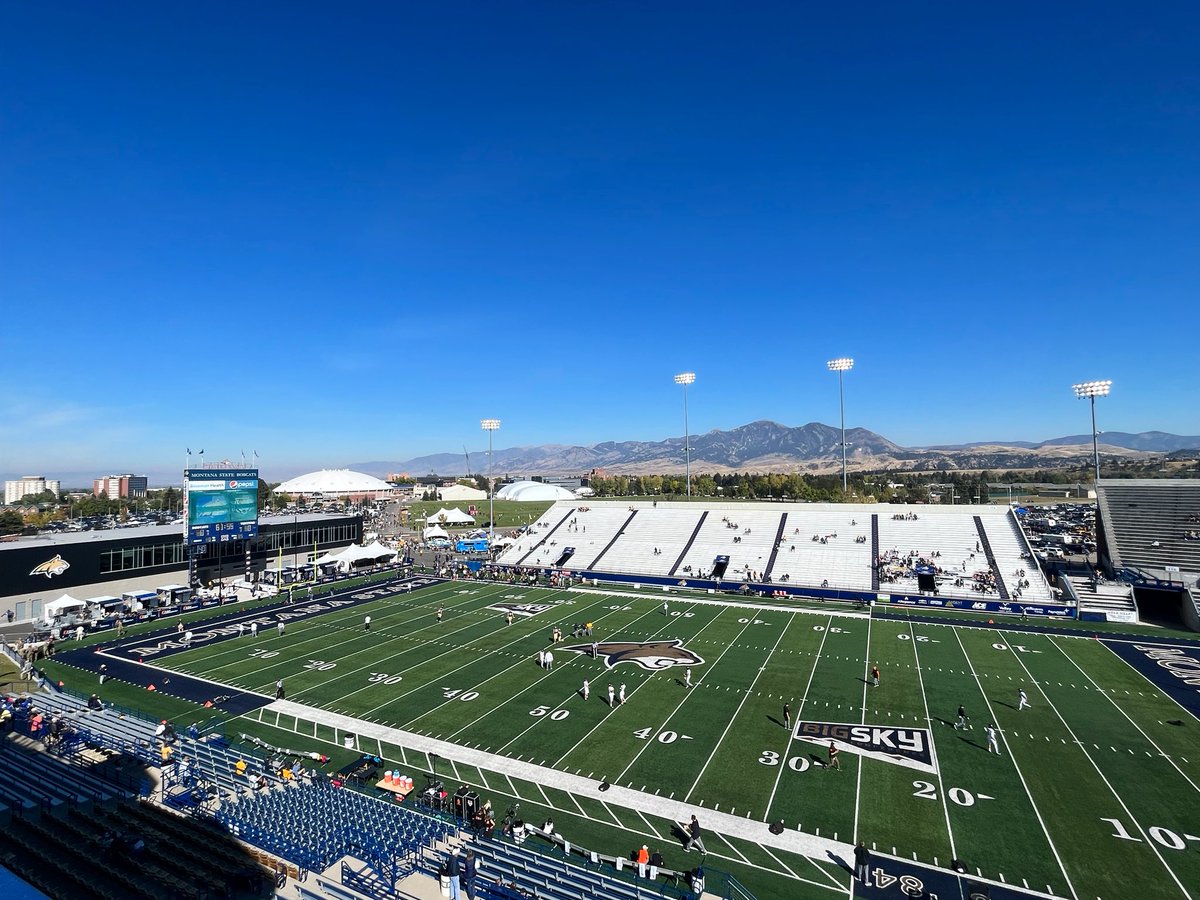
x: 1091, y: 390
x: 490, y: 425
x: 686, y: 378
x: 840, y: 365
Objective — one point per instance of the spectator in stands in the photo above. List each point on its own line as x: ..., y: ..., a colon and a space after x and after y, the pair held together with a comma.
x: 469, y: 871
x: 95, y: 703
x: 454, y: 871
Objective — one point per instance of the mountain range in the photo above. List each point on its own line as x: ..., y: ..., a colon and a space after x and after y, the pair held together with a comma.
x: 769, y: 446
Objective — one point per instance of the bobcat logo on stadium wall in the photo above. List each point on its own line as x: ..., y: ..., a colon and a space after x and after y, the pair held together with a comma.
x: 51, y: 567
x: 652, y: 655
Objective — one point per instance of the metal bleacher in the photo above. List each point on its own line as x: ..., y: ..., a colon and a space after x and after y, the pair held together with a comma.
x: 1146, y: 524
x: 315, y: 825
x: 554, y: 878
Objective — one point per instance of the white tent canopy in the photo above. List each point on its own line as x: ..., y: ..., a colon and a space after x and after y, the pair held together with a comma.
x: 356, y: 554
x: 434, y: 531
x: 533, y: 490
x: 378, y: 550
x: 63, y: 604
x: 452, y: 517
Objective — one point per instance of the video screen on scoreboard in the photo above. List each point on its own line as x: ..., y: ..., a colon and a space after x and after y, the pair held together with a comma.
x: 222, y: 504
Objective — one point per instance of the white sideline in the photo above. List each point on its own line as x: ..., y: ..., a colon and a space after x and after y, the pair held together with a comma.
x: 737, y: 604
x: 674, y: 810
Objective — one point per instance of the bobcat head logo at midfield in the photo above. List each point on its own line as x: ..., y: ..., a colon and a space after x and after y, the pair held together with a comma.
x: 650, y: 655
x: 51, y: 567
x: 521, y: 609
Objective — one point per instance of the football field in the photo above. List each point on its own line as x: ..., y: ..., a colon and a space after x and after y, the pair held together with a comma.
x: 1094, y: 791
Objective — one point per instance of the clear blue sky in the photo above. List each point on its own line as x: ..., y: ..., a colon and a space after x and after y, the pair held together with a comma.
x: 335, y: 233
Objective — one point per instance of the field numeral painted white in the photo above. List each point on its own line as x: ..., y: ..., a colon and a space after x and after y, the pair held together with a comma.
x: 663, y: 737
x: 264, y: 654
x: 558, y: 715
x: 1164, y: 837
x: 920, y: 638
x: 926, y: 791
x: 620, y: 608
x: 833, y: 629
x: 795, y: 763
x: 320, y: 665
x: 751, y: 622
x: 459, y: 694
x: 1016, y: 648
x: 683, y: 615
x: 383, y: 678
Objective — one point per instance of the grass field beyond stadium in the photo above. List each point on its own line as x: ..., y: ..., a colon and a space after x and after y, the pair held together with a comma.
x: 1094, y: 793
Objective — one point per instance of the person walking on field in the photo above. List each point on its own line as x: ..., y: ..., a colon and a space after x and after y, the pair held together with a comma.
x: 440, y: 613
x: 862, y: 862
x: 366, y: 623
x: 962, y: 718
x: 834, y: 761
x: 587, y: 689
x: 687, y: 678
x: 1022, y: 700
x: 666, y: 610
x: 787, y: 715
x: 621, y: 694
x: 254, y: 629
x: 611, y: 695
x: 993, y: 740
x: 875, y: 675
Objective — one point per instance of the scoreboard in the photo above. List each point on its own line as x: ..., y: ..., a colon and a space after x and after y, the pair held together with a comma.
x: 222, y: 505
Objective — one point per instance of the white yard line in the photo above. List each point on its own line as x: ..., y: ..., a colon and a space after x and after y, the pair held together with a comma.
x: 599, y: 724
x: 626, y: 798
x: 863, y: 719
x: 573, y: 695
x: 912, y: 639
x: 736, y: 712
x: 687, y: 693
x: 311, y: 630
x: 1125, y: 714
x: 414, y: 639
x: 1095, y: 766
x: 799, y: 714
x: 992, y: 717
x: 524, y: 661
x: 732, y: 604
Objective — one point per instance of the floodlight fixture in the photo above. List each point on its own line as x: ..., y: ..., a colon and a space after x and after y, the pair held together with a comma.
x: 686, y: 378
x: 1090, y: 390
x: 840, y: 365
x: 491, y: 425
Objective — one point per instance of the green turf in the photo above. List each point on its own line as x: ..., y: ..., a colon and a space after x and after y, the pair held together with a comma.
x: 1093, y: 748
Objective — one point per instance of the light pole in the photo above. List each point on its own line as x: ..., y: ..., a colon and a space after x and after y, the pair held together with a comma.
x: 1091, y: 390
x: 840, y: 365
x: 686, y: 378
x: 490, y: 425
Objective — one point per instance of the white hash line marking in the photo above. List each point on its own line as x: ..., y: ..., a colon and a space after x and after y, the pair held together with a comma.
x: 737, y: 711
x: 937, y: 769
x: 1070, y: 731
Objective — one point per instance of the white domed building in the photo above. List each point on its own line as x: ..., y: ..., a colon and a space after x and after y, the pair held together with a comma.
x: 342, y: 484
x: 533, y: 491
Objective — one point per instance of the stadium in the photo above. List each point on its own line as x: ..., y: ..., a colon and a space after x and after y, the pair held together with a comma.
x: 790, y: 675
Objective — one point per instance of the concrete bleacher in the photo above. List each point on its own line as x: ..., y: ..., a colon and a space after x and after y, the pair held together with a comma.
x: 960, y: 540
x: 1145, y: 523
x: 667, y: 530
x: 750, y: 554
x: 841, y: 560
